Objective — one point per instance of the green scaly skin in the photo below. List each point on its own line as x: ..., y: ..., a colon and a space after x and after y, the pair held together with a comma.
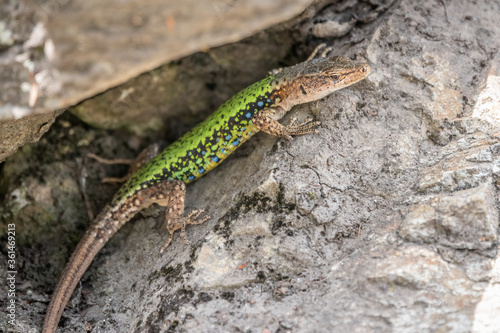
x: 162, y: 180
x: 209, y: 143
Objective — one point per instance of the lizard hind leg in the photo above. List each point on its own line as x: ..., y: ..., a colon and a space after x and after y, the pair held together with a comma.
x: 146, y: 155
x: 175, y: 211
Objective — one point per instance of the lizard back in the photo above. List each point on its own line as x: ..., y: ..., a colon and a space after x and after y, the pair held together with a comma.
x: 208, y: 144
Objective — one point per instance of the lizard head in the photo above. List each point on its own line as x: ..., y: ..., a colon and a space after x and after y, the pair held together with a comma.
x: 315, y: 79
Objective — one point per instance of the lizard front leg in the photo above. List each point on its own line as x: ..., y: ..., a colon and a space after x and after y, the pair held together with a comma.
x: 265, y: 122
x: 313, y: 55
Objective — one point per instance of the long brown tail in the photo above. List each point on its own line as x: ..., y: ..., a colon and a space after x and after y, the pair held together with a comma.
x: 106, y: 224
x: 85, y: 252
x: 103, y: 228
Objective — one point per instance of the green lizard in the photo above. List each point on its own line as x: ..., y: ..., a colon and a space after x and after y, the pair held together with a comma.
x: 162, y: 179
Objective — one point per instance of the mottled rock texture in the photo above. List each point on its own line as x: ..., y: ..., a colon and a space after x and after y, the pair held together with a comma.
x: 56, y: 53
x: 385, y: 221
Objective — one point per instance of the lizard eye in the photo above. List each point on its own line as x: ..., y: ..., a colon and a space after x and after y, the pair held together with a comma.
x: 335, y: 77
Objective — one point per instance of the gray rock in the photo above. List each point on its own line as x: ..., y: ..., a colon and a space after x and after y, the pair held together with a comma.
x: 466, y: 219
x: 385, y: 221
x: 56, y: 54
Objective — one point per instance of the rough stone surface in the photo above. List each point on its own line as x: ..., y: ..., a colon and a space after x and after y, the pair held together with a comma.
x: 385, y: 221
x: 76, y: 49
x: 466, y: 219
x: 15, y: 132
x: 56, y: 53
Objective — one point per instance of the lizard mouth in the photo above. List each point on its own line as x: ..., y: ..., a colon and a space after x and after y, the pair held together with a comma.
x: 341, y: 71
x: 359, y: 72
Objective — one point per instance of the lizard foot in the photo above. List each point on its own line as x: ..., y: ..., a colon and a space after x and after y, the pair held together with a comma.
x: 269, y: 125
x: 313, y: 55
x: 145, y: 156
x: 317, y: 49
x: 180, y: 223
x: 307, y: 126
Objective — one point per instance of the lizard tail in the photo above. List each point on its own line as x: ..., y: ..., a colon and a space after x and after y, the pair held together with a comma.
x: 104, y: 227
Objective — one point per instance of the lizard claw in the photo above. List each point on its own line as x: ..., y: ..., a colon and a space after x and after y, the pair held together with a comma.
x: 180, y: 223
x: 307, y: 126
x: 164, y: 247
